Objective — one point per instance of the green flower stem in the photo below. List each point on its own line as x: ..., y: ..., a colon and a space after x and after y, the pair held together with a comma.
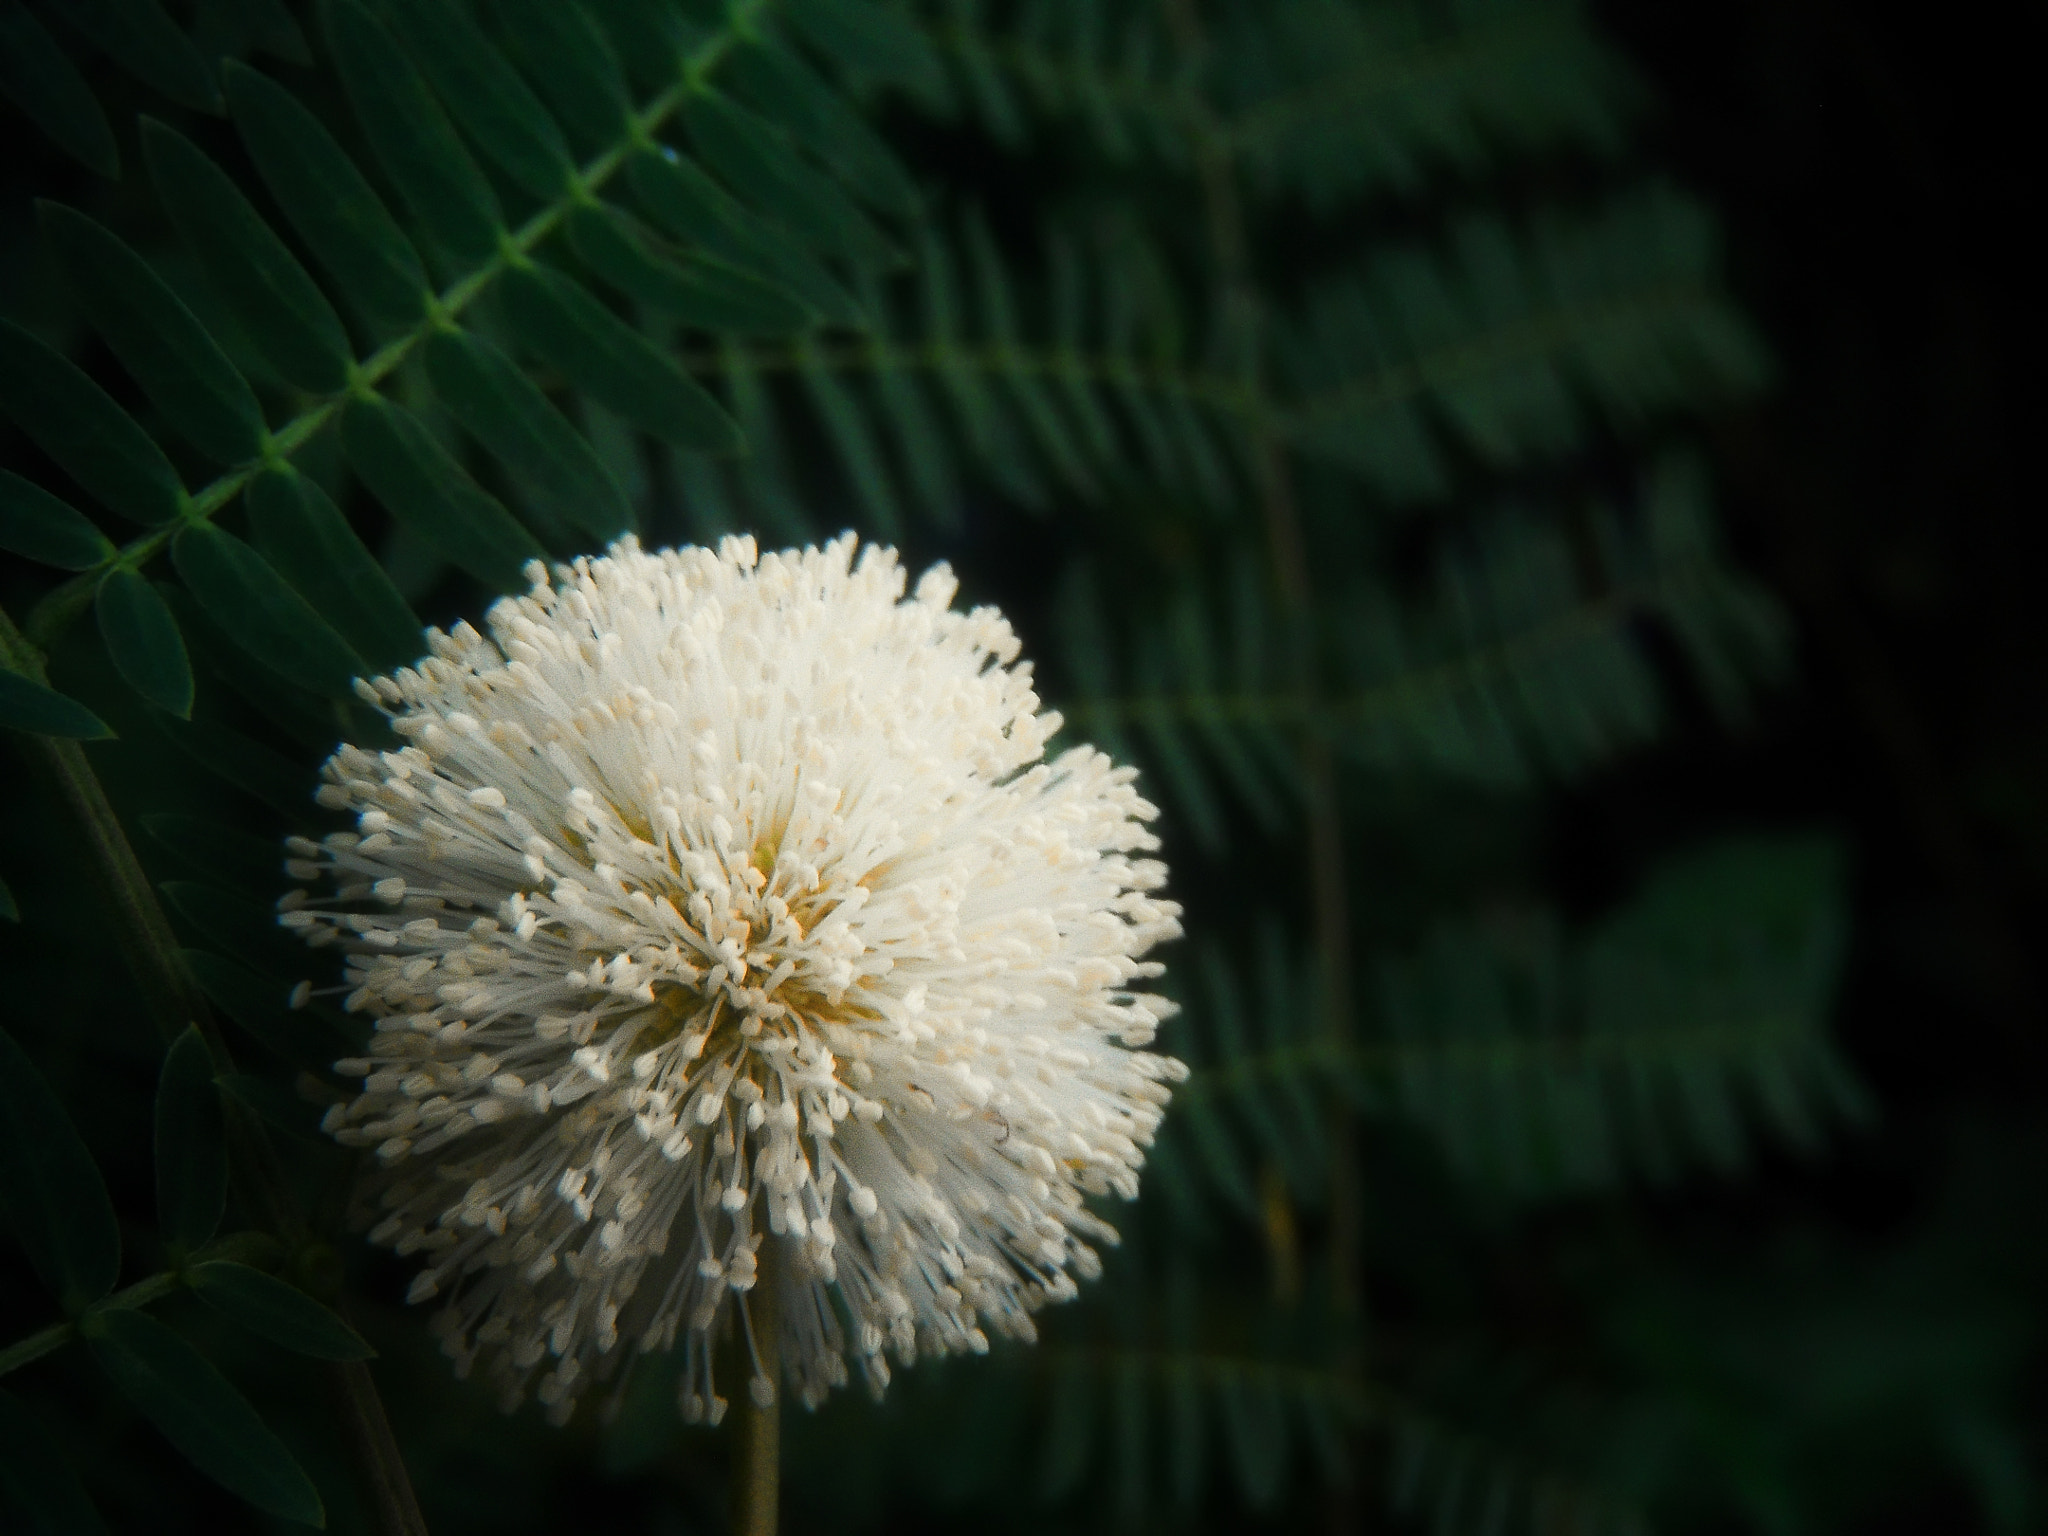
x: 61, y: 607
x: 757, y: 1436
x: 154, y: 957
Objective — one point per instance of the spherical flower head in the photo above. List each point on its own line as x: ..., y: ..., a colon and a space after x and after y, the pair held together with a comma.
x: 720, y: 920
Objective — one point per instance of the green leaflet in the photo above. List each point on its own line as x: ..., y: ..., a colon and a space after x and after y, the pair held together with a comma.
x: 676, y: 194
x: 143, y: 640
x: 281, y: 1312
x: 179, y: 365
x: 199, y: 1411
x: 410, y: 137
x: 302, y: 533
x: 847, y: 425
x: 137, y: 35
x: 74, y: 421
x: 337, y: 213
x: 37, y: 77
x: 873, y: 39
x: 55, y: 1197
x: 285, y: 315
x: 261, y: 1007
x: 191, y: 1146
x: 413, y: 475
x: 612, y: 362
x: 256, y: 609
x: 756, y: 160
x: 270, y: 26
x: 505, y: 411
x: 563, y: 53
x: 36, y: 524
x: 488, y: 98
x: 647, y: 36
x: 790, y: 92
x: 699, y: 290
x: 26, y: 705
x: 37, y: 1480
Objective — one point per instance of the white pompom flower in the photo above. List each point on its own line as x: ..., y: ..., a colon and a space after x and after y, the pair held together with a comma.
x: 718, y: 900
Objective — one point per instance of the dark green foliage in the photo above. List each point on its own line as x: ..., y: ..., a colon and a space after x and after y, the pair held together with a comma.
x: 431, y: 494
x: 283, y: 312
x: 143, y: 40
x: 612, y: 362
x: 256, y: 609
x: 38, y: 1485
x: 26, y: 705
x: 199, y: 1411
x: 309, y: 541
x: 37, y: 77
x: 282, y: 1313
x: 336, y: 212
x: 191, y: 1149
x: 56, y: 1201
x: 500, y: 406
x: 494, y: 106
x: 142, y: 638
x: 412, y: 138
x: 37, y: 525
x: 72, y: 420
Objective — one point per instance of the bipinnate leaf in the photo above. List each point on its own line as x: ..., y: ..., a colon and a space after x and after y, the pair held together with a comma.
x: 505, y: 411
x: 37, y: 77
x: 26, y: 705
x: 38, y: 1485
x: 874, y: 39
x: 757, y: 160
x: 284, y: 313
x: 201, y: 1413
x: 36, y: 524
x: 788, y: 90
x: 612, y: 362
x: 191, y: 1147
x: 76, y: 423
x: 410, y: 136
x: 259, y: 611
x: 303, y: 534
x: 690, y: 207
x: 698, y: 289
x: 414, y: 476
x: 334, y: 209
x: 278, y: 1310
x: 500, y: 114
x: 53, y: 1193
x: 566, y: 56
x: 143, y: 640
x: 142, y: 39
x: 171, y: 355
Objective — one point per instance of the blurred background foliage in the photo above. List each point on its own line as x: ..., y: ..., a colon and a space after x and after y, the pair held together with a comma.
x: 1533, y: 487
